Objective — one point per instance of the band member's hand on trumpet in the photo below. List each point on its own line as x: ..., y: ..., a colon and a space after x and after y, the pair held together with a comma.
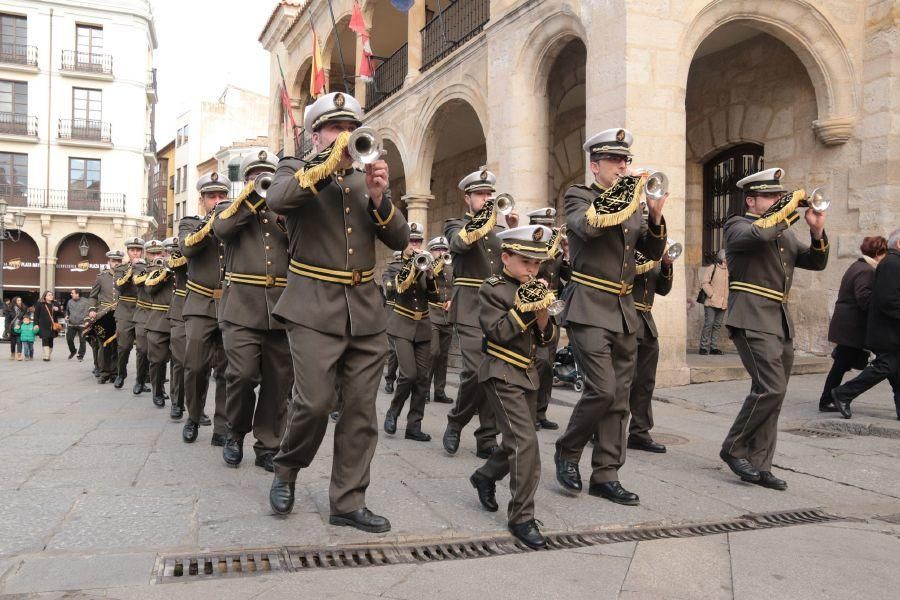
x: 656, y: 191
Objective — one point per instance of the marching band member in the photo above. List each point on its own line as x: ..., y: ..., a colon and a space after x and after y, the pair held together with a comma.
x: 441, y: 328
x: 152, y: 251
x: 390, y: 296
x: 177, y: 264
x: 125, y: 312
x: 103, y: 296
x: 160, y: 287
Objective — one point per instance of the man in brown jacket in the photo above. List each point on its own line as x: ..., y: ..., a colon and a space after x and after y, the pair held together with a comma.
x: 605, y: 227
x: 332, y: 308
x: 438, y: 312
x: 177, y: 339
x: 410, y: 329
x: 762, y: 256
x: 203, y: 348
x: 256, y: 346
x: 160, y: 287
x: 125, y: 309
x: 390, y: 297
x: 103, y: 296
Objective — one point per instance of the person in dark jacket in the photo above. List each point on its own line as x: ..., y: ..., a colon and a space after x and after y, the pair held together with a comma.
x: 848, y: 323
x: 46, y: 315
x: 882, y: 333
x: 14, y: 317
x: 76, y: 312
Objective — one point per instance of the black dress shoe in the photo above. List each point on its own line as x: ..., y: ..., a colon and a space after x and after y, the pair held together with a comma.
x: 487, y: 491
x: 827, y: 406
x: 645, y: 445
x: 217, y: 439
x: 159, y: 401
x: 613, y: 490
x: 103, y: 379
x: 716, y: 352
x: 71, y: 356
x: 529, y: 534
x: 843, y: 407
x: 451, y: 440
x: 486, y: 453
x: 204, y: 420
x: 703, y: 352
x: 137, y: 388
x: 363, y: 519
x: 417, y: 435
x: 766, y: 479
x: 741, y: 467
x: 233, y: 451
x: 176, y: 412
x: 95, y: 372
x: 281, y: 497
x: 165, y: 396
x: 189, y: 433
x: 390, y: 423
x: 567, y: 473
x: 266, y: 461
x: 388, y: 387
x: 443, y: 399
x: 547, y: 424
x: 118, y: 383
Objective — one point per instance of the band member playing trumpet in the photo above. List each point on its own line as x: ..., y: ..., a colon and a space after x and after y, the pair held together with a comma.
x: 390, y: 298
x: 152, y: 252
x: 515, y: 322
x: 441, y: 329
x: 410, y: 328
x: 160, y: 287
x: 604, y: 227
x: 125, y: 309
x: 256, y: 347
x: 762, y: 255
x: 476, y: 251
x: 652, y: 278
x: 103, y: 296
x: 332, y: 308
x: 177, y: 264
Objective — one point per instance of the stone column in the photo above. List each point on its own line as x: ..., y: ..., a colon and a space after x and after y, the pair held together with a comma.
x: 415, y: 21
x: 48, y: 273
x: 417, y: 209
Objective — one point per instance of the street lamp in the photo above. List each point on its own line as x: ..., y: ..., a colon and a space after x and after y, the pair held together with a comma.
x: 8, y: 234
x: 83, y: 247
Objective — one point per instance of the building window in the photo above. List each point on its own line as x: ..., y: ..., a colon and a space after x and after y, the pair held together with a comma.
x: 14, y: 178
x: 172, y: 182
x: 178, y: 137
x: 88, y: 42
x: 13, y: 38
x: 184, y: 135
x: 177, y: 180
x: 87, y: 110
x: 84, y: 183
x: 721, y: 197
x: 184, y: 178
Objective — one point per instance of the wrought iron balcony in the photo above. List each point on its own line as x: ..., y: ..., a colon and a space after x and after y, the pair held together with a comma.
x: 156, y: 208
x: 458, y: 23
x: 18, y: 124
x: 151, y: 84
x: 18, y: 54
x: 86, y: 62
x: 85, y: 129
x: 41, y: 198
x: 150, y: 144
x: 387, y: 78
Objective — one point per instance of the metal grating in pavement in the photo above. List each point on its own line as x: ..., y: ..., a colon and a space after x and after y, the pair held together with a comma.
x: 816, y: 433
x: 216, y: 565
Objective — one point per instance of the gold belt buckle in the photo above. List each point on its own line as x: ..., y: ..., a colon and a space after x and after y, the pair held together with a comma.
x: 623, y: 288
x: 784, y: 298
x: 217, y: 294
x: 356, y: 277
x: 270, y: 281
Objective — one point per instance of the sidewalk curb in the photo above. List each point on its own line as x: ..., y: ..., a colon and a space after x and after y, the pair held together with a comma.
x: 856, y: 427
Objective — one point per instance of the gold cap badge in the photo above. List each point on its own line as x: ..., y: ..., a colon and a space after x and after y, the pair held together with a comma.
x: 339, y: 100
x: 538, y: 234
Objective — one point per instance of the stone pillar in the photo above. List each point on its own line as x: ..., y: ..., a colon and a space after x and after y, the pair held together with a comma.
x: 415, y: 21
x: 48, y: 273
x: 417, y: 209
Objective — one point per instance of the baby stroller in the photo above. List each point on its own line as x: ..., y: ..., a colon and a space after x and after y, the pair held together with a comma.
x: 565, y: 369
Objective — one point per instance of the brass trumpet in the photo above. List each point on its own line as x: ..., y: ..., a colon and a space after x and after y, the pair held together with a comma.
x: 504, y: 204
x: 423, y: 261
x: 816, y: 200
x: 657, y: 184
x: 673, y: 249
x: 262, y: 183
x: 365, y: 145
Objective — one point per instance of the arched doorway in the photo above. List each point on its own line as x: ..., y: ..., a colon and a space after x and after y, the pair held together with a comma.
x: 339, y: 54
x: 566, y: 105
x: 21, y: 268
x: 78, y: 261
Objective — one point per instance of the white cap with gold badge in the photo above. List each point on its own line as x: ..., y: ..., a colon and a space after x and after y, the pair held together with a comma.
x: 335, y: 106
x: 764, y: 181
x: 481, y: 180
x: 213, y: 182
x: 258, y: 160
x: 439, y: 243
x: 610, y: 141
x: 529, y: 241
x: 542, y: 216
x: 416, y: 231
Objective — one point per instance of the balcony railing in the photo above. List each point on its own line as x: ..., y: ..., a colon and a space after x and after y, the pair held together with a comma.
x: 388, y: 78
x: 150, y: 144
x: 86, y: 62
x: 458, y: 23
x: 91, y: 200
x: 151, y: 82
x: 156, y: 208
x: 85, y: 129
x: 18, y: 54
x: 18, y: 124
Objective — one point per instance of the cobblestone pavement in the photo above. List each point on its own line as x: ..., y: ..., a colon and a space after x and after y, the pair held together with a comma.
x: 95, y: 483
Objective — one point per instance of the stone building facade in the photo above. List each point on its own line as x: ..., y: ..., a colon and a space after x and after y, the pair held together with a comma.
x: 711, y: 89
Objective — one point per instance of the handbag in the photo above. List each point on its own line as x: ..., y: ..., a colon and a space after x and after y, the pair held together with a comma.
x: 56, y: 327
x: 701, y: 296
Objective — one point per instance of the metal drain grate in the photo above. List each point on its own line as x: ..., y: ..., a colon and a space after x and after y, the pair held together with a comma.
x: 384, y: 552
x: 816, y: 433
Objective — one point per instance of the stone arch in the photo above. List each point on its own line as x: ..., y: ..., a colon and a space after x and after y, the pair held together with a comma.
x: 808, y: 33
x: 546, y: 39
x: 21, y: 265
x: 71, y: 269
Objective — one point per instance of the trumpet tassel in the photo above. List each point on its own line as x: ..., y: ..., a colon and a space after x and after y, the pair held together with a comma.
x: 309, y: 177
x: 781, y: 214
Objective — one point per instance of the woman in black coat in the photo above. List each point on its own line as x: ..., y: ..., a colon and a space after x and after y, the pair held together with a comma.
x: 848, y: 323
x: 16, y: 310
x: 47, y: 312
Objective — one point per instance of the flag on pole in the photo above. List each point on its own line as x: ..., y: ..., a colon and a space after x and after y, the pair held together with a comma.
x: 289, y: 124
x: 317, y: 72
x: 358, y: 26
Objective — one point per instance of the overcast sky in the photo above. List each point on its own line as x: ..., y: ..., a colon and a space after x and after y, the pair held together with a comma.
x: 203, y: 46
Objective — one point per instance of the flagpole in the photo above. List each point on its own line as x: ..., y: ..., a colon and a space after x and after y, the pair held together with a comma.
x: 284, y: 87
x: 340, y: 50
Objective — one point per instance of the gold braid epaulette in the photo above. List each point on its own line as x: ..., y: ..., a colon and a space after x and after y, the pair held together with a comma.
x: 140, y: 279
x: 439, y: 265
x: 177, y: 261
x: 156, y: 277
x: 615, y: 195
x: 124, y: 278
x: 407, y: 275
x: 236, y: 205
x: 481, y: 224
x: 534, y: 295
x: 199, y: 235
x: 641, y: 268
x: 308, y: 177
x: 781, y: 209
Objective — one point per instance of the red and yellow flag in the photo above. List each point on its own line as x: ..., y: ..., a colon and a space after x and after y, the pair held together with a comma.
x: 317, y: 72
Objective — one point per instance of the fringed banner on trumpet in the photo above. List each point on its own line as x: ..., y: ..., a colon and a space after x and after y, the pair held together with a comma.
x: 323, y: 164
x: 642, y: 264
x: 533, y: 296
x: 177, y: 259
x: 124, y: 278
x: 156, y: 277
x: 407, y: 275
x: 554, y: 243
x: 781, y: 210
x: 236, y: 205
x: 615, y: 205
x: 201, y: 233
x: 481, y: 224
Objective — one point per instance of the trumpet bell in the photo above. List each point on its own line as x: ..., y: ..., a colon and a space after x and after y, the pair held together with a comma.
x: 505, y: 204
x: 817, y: 201
x: 365, y: 145
x: 262, y: 183
x: 557, y: 307
x: 674, y: 250
x: 657, y: 185
x: 423, y: 261
x: 447, y: 258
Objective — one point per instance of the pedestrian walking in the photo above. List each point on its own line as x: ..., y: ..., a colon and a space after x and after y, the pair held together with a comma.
x: 714, y: 298
x: 16, y: 312
x: 848, y: 323
x: 76, y: 312
x: 47, y: 316
x: 26, y: 331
